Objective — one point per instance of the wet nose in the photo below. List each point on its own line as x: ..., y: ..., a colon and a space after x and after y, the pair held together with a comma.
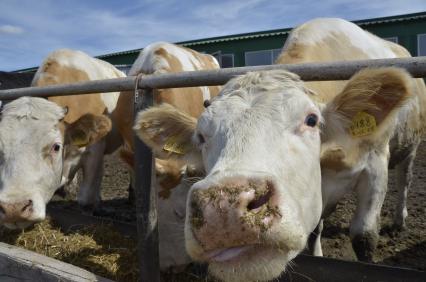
x: 15, y: 212
x: 237, y: 209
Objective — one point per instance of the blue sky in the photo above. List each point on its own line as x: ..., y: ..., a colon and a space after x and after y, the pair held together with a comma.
x: 30, y: 29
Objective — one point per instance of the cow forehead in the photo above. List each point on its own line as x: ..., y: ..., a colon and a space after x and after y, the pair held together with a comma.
x: 15, y: 132
x: 277, y: 103
x: 33, y: 108
x: 30, y: 121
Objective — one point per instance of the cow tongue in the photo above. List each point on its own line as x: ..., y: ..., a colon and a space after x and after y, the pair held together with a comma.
x: 222, y: 255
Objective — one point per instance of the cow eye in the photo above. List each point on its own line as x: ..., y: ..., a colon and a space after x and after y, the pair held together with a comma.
x: 311, y: 120
x: 206, y: 103
x: 56, y: 147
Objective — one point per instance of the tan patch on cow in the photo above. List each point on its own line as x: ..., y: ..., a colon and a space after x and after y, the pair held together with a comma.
x: 88, y: 130
x: 123, y: 117
x: 156, y: 125
x: 169, y: 175
x: 334, y: 47
x: 127, y: 157
x: 374, y: 91
x: 78, y: 105
x: 188, y: 100
x: 334, y: 159
x: 174, y: 63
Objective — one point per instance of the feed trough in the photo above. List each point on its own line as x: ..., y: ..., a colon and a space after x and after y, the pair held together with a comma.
x: 304, y: 269
x: 17, y: 264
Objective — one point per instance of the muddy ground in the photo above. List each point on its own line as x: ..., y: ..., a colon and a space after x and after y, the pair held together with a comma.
x: 406, y: 248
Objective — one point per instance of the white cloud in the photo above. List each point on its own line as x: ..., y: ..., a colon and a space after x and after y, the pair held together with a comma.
x: 11, y: 29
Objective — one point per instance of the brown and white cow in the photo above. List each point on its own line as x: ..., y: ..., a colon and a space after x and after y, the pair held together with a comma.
x: 70, y: 66
x: 344, y: 167
x: 263, y: 142
x: 41, y: 141
x: 172, y: 177
x: 161, y: 58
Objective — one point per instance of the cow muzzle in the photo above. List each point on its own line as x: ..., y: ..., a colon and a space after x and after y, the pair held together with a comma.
x: 233, y: 214
x: 18, y: 212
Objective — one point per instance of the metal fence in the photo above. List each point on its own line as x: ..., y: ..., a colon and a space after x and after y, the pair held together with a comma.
x: 146, y: 202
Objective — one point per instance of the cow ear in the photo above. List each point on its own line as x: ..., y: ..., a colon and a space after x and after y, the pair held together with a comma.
x: 166, y: 130
x: 367, y: 106
x: 87, y: 130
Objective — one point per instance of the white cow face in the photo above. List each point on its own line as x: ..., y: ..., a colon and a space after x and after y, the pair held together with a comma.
x: 33, y: 144
x: 259, y: 142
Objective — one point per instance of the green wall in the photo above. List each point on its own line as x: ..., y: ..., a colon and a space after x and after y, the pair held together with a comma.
x: 238, y: 47
x: 405, y: 30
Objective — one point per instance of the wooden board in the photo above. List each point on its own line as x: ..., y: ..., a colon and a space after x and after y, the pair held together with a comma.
x: 17, y: 264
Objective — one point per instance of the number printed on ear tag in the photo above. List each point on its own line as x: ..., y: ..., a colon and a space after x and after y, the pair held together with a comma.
x: 363, y: 124
x: 174, y: 147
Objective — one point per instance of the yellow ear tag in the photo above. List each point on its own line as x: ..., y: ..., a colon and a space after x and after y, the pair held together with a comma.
x: 363, y: 124
x: 79, y: 139
x: 174, y: 147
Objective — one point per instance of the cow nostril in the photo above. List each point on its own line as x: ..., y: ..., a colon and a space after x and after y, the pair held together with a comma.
x: 27, y: 206
x: 260, y: 201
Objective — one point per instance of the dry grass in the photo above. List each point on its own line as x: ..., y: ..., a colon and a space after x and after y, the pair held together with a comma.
x: 99, y: 249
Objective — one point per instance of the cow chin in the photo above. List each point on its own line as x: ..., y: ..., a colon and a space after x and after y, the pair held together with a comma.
x: 253, y: 263
x: 19, y: 225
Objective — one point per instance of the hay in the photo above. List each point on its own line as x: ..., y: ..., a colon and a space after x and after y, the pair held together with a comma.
x: 98, y: 249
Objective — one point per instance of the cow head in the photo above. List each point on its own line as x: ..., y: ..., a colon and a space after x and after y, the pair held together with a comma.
x: 34, y: 145
x: 259, y: 142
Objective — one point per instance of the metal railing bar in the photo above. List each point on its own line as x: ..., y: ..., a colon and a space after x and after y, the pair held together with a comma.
x: 341, y: 70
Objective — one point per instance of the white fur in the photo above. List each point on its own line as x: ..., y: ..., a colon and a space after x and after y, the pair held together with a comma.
x: 255, y: 128
x: 27, y: 127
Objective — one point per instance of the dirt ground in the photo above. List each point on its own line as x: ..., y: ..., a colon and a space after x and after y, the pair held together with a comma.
x: 406, y: 248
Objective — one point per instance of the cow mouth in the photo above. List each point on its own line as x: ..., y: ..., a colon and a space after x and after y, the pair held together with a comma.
x: 256, y: 262
x: 239, y: 254
x: 227, y: 254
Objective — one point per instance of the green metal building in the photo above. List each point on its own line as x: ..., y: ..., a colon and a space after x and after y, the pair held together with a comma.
x: 261, y: 48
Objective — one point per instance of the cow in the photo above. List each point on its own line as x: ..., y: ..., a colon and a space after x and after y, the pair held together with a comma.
x: 162, y: 58
x: 344, y: 169
x: 42, y: 141
x: 70, y: 66
x: 34, y: 140
x: 173, y: 177
x: 263, y: 142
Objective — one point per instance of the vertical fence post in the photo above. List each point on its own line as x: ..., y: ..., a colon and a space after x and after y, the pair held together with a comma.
x: 146, y: 200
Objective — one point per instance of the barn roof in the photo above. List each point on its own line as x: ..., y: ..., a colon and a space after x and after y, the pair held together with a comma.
x: 275, y: 32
